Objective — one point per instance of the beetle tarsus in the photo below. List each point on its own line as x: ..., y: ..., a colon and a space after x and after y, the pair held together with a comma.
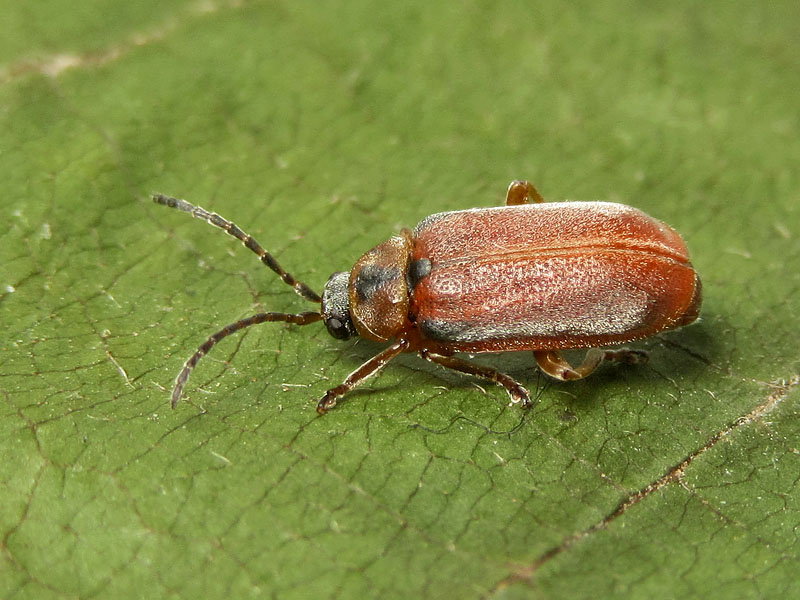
x: 520, y: 395
x: 627, y: 356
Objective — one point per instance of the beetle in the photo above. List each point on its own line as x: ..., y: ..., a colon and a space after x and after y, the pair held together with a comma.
x: 529, y: 275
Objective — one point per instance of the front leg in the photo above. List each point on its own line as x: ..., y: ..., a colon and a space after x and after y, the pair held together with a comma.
x: 372, y: 367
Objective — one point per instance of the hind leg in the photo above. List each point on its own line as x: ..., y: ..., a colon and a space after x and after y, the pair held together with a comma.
x: 555, y: 365
x: 522, y: 192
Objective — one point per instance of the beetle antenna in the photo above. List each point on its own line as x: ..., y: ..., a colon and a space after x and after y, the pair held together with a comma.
x: 298, y: 319
x: 232, y: 229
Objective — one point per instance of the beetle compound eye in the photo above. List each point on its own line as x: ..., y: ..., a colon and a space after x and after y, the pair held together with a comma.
x: 336, y: 307
x: 341, y: 329
x: 337, y: 328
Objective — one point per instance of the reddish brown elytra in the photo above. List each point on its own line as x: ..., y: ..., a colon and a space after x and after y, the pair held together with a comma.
x: 524, y: 276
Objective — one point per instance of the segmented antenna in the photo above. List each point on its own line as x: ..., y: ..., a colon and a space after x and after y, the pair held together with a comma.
x: 180, y: 381
x: 232, y: 229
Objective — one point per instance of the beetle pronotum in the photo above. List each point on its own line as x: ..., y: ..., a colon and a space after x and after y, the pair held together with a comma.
x: 529, y: 275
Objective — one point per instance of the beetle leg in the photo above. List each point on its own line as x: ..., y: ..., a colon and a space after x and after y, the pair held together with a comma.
x: 555, y: 365
x: 522, y: 192
x: 516, y: 392
x: 365, y: 371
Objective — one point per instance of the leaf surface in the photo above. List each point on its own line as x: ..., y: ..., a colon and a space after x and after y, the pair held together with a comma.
x: 321, y: 129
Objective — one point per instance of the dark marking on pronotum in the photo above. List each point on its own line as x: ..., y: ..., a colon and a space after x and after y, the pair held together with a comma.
x: 370, y: 279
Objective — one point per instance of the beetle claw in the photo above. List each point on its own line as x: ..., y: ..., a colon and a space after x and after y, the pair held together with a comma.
x: 327, y: 402
x: 520, y: 395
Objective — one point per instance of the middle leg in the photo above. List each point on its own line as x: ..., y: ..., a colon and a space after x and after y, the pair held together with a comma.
x: 516, y: 392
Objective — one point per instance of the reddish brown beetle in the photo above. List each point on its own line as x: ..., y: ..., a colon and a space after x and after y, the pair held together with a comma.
x: 540, y: 277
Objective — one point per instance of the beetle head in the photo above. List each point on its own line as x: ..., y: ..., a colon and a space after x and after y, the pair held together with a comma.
x: 336, y: 307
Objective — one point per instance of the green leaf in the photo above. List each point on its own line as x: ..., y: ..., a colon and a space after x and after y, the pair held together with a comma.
x: 321, y: 129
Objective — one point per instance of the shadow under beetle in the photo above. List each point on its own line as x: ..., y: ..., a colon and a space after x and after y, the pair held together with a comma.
x: 529, y: 275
